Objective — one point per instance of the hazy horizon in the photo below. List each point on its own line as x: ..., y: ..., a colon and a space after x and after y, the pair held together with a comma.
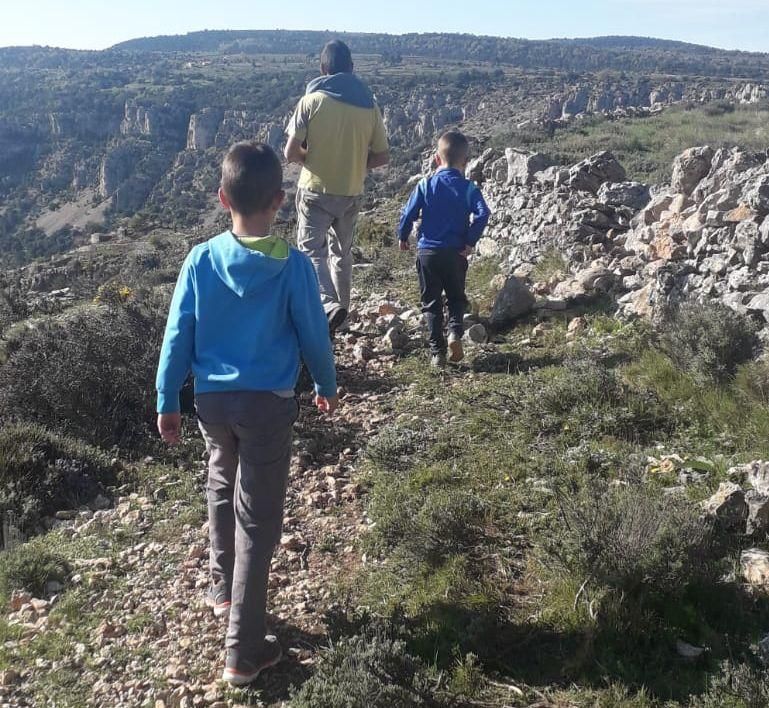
x: 92, y: 24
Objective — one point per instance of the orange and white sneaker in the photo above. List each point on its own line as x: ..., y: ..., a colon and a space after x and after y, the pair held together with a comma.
x: 218, y: 599
x: 239, y: 672
x: 456, y: 352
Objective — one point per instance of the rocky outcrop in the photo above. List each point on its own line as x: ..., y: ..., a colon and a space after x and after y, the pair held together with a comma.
x: 203, y: 127
x: 164, y: 121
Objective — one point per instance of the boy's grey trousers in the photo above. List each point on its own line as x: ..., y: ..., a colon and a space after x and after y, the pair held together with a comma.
x: 248, y: 435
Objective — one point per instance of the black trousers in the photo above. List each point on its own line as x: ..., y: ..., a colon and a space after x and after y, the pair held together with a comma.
x: 442, y: 271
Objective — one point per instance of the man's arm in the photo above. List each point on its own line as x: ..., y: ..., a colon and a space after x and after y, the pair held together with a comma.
x: 295, y: 150
x: 481, y: 213
x: 377, y: 159
x: 379, y: 149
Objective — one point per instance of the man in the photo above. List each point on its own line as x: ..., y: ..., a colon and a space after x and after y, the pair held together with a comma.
x: 337, y: 134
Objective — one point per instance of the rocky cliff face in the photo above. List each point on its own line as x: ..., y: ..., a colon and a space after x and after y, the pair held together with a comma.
x: 643, y: 96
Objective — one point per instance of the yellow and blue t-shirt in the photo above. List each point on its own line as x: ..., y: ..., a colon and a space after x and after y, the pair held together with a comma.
x: 341, y: 124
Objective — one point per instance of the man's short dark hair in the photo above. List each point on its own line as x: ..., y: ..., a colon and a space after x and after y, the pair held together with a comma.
x: 251, y: 177
x: 336, y: 58
x: 453, y: 147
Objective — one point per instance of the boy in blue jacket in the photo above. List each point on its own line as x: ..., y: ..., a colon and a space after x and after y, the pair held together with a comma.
x: 454, y: 215
x: 245, y: 310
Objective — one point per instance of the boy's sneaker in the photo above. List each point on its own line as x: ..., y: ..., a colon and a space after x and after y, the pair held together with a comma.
x: 218, y: 598
x: 335, y: 319
x: 456, y: 352
x: 240, y: 672
x: 438, y: 361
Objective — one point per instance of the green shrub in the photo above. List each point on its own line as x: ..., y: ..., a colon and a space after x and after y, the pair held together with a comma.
x: 585, y: 398
x: 29, y: 567
x: 370, y: 671
x: 737, y: 686
x: 89, y: 372
x: 41, y: 473
x: 430, y: 524
x: 709, y: 340
x: 393, y: 447
x: 633, y: 539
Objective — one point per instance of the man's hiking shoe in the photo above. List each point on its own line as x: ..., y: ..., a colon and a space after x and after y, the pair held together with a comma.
x: 218, y: 598
x: 456, y: 353
x: 335, y: 319
x: 240, y: 672
x: 438, y: 361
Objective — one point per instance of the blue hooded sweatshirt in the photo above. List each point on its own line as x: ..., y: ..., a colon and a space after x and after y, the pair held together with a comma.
x: 446, y: 202
x: 241, y: 320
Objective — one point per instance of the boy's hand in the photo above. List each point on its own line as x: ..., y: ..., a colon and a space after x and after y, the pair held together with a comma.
x: 466, y: 251
x: 404, y: 245
x: 327, y: 405
x: 170, y: 427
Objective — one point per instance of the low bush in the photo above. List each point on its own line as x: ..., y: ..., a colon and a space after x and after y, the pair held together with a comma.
x: 394, y: 447
x: 633, y: 539
x: 709, y: 340
x: 371, y: 671
x: 584, y: 399
x: 41, y: 473
x: 30, y: 567
x: 89, y: 372
x: 736, y: 686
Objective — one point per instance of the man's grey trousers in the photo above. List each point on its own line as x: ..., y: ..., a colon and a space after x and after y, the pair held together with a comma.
x: 325, y: 232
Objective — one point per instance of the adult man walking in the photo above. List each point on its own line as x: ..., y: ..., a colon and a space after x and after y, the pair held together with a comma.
x: 337, y: 134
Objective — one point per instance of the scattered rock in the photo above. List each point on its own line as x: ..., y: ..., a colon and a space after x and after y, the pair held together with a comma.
x: 754, y: 564
x: 728, y: 505
x: 477, y: 334
x: 631, y: 194
x: 591, y: 173
x: 690, y: 167
x: 513, y: 300
x: 522, y: 165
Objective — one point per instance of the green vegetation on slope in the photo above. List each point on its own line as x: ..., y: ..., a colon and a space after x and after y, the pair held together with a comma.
x: 646, y: 146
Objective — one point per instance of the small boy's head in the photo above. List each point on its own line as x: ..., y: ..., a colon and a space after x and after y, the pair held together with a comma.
x: 252, y: 179
x: 453, y: 149
x: 336, y: 58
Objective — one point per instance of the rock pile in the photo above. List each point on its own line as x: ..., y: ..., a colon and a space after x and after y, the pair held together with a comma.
x: 705, y: 235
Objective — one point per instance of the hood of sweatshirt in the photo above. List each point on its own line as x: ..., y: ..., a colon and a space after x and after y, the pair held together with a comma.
x: 241, y: 269
x: 344, y: 87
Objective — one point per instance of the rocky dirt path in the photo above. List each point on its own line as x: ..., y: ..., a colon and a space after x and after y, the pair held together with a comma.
x: 138, y: 632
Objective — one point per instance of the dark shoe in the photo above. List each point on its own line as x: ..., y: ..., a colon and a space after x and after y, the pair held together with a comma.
x: 438, y: 361
x: 456, y: 353
x: 218, y: 598
x: 335, y: 319
x: 240, y: 672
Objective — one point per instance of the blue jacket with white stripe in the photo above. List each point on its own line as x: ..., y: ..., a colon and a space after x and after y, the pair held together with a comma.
x: 453, y: 211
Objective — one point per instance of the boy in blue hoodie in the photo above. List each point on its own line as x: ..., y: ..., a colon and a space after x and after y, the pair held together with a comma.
x: 454, y: 215
x: 246, y: 308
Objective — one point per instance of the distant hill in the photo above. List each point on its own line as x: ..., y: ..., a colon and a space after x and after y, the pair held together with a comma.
x: 634, y: 54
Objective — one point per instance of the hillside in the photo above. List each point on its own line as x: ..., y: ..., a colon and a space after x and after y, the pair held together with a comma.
x: 576, y: 516
x: 580, y: 55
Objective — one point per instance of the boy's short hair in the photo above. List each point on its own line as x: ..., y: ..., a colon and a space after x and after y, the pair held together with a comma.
x: 453, y: 147
x: 251, y: 177
x: 336, y: 58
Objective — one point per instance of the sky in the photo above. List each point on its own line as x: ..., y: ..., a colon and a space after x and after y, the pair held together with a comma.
x: 97, y: 24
